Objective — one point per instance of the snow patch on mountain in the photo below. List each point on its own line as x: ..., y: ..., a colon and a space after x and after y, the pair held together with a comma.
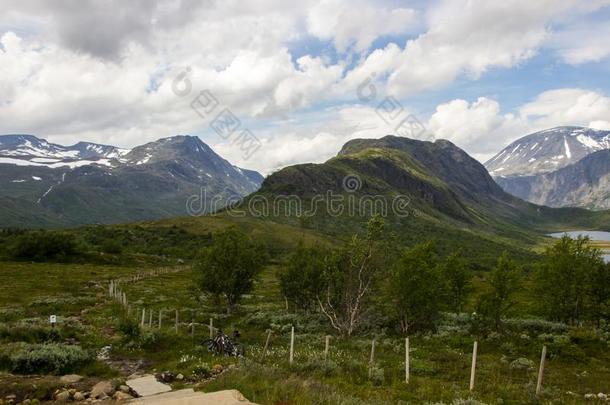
x: 547, y: 151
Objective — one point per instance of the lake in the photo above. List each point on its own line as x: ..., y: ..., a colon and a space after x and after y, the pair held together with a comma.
x: 593, y: 235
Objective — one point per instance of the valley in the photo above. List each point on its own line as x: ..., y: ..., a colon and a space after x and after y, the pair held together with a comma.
x: 453, y: 206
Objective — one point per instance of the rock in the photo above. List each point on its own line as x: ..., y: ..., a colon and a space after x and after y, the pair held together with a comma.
x: 63, y: 396
x: 72, y: 391
x: 125, y: 389
x: 147, y: 385
x: 180, y: 377
x: 104, y: 353
x: 590, y: 396
x: 102, y: 389
x: 11, y: 397
x: 217, y: 368
x: 166, y: 376
x: 121, y: 396
x: 522, y: 364
x: 70, y: 379
x: 79, y: 396
x: 602, y: 396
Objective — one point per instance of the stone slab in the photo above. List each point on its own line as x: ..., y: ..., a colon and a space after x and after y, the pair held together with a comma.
x: 148, y: 385
x: 189, y: 397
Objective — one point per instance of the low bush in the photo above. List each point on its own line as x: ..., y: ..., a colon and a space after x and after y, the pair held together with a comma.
x: 29, y: 333
x: 326, y: 368
x: 24, y: 358
x: 129, y: 327
x: 44, y: 245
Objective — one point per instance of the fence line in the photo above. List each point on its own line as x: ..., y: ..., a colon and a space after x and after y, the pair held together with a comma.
x: 120, y: 297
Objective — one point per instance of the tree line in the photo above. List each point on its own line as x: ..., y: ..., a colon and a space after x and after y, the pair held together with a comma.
x: 372, y: 277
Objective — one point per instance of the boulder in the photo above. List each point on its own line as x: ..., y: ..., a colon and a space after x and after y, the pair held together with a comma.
x: 522, y: 364
x: 147, y: 385
x: 70, y: 379
x: 63, y: 396
x: 121, y: 396
x: 79, y: 396
x: 102, y: 389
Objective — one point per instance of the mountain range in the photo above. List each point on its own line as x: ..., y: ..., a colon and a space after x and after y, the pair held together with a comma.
x: 444, y: 187
x: 46, y: 184
x: 558, y: 167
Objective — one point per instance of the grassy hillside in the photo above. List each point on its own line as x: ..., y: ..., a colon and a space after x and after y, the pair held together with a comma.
x: 29, y: 293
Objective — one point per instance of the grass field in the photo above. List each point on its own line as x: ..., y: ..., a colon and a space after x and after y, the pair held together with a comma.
x: 578, y: 363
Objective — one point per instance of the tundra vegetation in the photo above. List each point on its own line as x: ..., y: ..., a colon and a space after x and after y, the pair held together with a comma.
x: 362, y: 286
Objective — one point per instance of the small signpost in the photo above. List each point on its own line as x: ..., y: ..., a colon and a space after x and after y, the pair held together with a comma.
x: 53, y: 320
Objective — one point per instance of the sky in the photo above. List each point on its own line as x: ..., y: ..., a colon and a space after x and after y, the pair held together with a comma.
x: 300, y: 79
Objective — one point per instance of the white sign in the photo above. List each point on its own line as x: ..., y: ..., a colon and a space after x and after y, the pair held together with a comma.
x: 53, y: 319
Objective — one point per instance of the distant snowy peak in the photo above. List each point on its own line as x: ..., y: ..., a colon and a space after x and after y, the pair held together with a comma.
x: 180, y: 155
x: 547, y: 151
x: 28, y: 150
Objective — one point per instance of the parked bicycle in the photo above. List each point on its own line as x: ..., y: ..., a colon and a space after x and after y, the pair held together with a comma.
x: 223, y: 345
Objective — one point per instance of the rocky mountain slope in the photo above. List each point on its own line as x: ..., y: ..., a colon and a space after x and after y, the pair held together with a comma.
x: 441, y: 184
x: 45, y: 184
x: 553, y: 168
x: 547, y: 151
x: 585, y: 183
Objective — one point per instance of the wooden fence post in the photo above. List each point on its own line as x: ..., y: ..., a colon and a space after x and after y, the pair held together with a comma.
x: 176, y: 321
x: 541, y: 371
x: 474, y: 364
x: 193, y: 324
x: 407, y: 365
x: 143, y: 316
x: 292, y: 345
x: 211, y: 328
x: 372, y: 358
x: 266, y: 345
x: 326, y: 347
x: 160, y: 317
x: 150, y: 316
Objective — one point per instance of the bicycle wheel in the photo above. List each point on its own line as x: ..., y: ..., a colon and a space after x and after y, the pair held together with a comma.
x: 211, y: 345
x: 240, y: 350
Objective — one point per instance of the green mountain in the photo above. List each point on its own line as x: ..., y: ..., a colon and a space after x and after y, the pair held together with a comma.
x: 443, y: 188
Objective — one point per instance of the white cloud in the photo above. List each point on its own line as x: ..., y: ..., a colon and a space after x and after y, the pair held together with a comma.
x: 357, y: 23
x: 478, y: 127
x: 471, y: 37
x: 313, y: 137
x: 566, y: 107
x: 102, y: 71
x: 584, y: 44
x: 482, y: 130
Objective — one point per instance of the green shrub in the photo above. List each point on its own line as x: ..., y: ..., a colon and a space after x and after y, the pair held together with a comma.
x: 129, y: 327
x: 321, y: 367
x: 111, y: 246
x: 535, y: 326
x: 202, y: 370
x: 44, y: 245
x: 377, y: 375
x: 29, y: 333
x: 156, y: 340
x: 53, y: 358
